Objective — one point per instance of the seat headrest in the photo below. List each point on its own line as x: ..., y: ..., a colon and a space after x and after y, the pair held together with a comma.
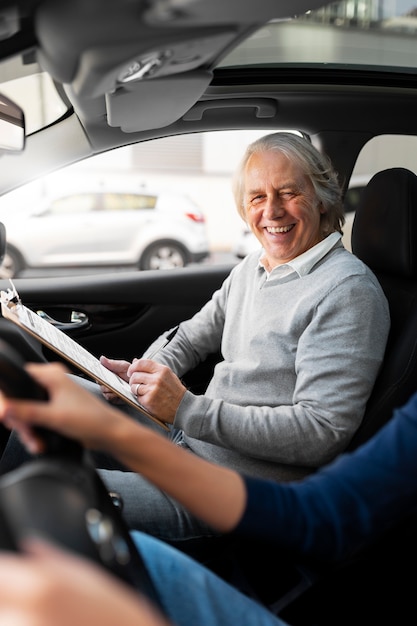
x: 384, y: 232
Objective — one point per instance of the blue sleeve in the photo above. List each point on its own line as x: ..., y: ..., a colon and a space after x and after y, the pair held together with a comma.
x: 344, y: 505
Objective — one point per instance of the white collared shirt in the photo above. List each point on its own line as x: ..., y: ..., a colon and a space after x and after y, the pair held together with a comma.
x: 303, y: 263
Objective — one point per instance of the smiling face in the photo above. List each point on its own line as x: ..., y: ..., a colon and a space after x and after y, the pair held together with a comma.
x: 280, y: 207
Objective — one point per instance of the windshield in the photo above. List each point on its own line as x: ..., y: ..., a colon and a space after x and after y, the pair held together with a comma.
x: 361, y: 34
x: 34, y: 91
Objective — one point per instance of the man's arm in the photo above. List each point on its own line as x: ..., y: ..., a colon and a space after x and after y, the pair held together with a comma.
x: 337, y: 359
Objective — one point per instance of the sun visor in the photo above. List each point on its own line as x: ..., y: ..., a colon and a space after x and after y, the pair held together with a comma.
x: 86, y: 43
x: 155, y: 103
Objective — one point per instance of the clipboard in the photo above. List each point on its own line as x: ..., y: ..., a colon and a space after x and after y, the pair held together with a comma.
x: 14, y: 310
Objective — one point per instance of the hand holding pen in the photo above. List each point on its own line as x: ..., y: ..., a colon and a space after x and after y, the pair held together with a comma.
x: 135, y: 386
x: 120, y: 367
x: 156, y: 386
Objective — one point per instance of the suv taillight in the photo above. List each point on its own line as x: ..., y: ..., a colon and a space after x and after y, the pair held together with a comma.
x: 196, y: 217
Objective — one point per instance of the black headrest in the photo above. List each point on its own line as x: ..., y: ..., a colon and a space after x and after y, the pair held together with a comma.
x: 384, y: 232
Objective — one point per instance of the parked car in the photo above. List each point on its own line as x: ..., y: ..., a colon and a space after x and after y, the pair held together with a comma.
x: 146, y: 229
x: 166, y: 80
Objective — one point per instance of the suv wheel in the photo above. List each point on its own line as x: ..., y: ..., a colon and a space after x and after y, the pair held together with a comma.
x: 12, y: 264
x: 163, y: 255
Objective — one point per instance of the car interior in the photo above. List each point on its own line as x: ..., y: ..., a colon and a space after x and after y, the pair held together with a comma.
x: 343, y: 74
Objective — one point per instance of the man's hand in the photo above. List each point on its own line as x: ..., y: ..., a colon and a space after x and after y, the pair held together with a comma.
x: 118, y: 367
x: 157, y: 388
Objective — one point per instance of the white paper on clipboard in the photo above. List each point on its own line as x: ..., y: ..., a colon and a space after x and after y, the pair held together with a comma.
x: 55, y: 339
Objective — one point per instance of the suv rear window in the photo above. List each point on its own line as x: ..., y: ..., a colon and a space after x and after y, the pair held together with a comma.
x: 86, y: 202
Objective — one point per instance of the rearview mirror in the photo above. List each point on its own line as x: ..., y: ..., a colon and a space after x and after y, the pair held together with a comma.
x: 12, y: 126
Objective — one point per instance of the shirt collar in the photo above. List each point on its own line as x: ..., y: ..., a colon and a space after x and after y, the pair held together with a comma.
x: 304, y: 263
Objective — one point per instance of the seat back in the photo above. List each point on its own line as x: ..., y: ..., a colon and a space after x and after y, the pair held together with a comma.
x: 384, y: 236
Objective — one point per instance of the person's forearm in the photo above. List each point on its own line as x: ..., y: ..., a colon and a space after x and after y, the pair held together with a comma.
x: 215, y: 494
x: 344, y: 506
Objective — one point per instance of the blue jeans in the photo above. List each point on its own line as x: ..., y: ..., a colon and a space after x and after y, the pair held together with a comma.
x: 149, y: 509
x: 192, y: 595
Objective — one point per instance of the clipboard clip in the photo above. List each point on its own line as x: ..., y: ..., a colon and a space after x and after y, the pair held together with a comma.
x: 11, y: 297
x: 14, y: 296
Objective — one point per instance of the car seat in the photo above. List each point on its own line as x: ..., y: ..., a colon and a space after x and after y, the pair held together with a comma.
x: 384, y: 236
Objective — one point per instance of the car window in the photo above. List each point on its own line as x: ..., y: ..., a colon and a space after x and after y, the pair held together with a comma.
x: 194, y: 219
x: 88, y: 202
x: 80, y: 203
x: 352, y: 197
x: 26, y: 92
x: 369, y: 34
x: 386, y: 151
x: 382, y: 152
x: 127, y: 201
x: 185, y: 180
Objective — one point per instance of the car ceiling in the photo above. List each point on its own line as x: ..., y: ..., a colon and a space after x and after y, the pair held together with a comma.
x: 87, y: 45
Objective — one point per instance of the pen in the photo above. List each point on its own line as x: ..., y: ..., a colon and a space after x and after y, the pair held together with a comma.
x: 165, y: 342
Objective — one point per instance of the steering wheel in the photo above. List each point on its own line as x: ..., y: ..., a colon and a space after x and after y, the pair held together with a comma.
x: 59, y: 495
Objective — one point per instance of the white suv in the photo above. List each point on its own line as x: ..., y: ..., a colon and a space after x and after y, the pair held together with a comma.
x: 105, y: 228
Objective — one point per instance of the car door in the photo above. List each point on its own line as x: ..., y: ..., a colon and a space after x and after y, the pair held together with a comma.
x: 85, y: 229
x: 124, y: 217
x: 117, y: 315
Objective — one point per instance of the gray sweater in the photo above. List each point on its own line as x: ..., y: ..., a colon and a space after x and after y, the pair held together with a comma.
x: 300, y: 357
